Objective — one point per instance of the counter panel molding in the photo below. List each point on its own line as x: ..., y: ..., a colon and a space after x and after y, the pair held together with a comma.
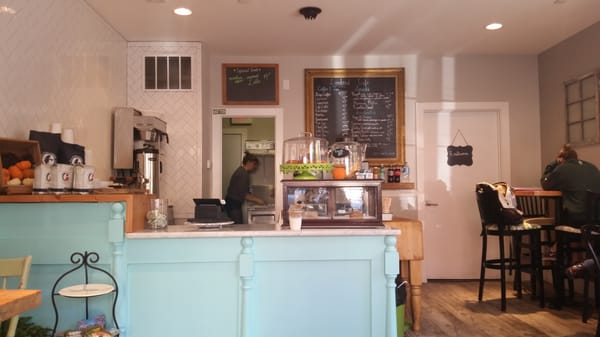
x: 241, y: 281
x: 262, y: 286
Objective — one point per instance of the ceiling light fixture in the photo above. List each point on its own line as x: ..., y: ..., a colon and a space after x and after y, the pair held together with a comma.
x: 182, y: 11
x: 310, y: 13
x: 6, y: 9
x: 493, y: 26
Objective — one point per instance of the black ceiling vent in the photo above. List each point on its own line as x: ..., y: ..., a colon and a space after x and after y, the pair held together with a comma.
x: 310, y: 13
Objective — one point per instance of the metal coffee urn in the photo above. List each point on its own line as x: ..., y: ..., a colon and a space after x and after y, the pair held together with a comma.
x: 147, y: 167
x: 138, y: 142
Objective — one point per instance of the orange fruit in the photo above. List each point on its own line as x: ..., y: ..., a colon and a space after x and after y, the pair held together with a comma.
x: 15, y: 172
x: 23, y: 164
x: 28, y: 173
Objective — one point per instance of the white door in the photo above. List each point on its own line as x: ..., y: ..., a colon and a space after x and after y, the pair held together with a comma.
x: 233, y: 149
x: 449, y: 211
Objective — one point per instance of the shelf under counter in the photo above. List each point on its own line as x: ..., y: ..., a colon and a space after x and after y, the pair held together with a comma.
x: 136, y: 204
x: 398, y: 186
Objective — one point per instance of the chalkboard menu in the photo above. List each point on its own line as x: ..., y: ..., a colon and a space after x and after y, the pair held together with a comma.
x: 364, y: 104
x: 250, y: 84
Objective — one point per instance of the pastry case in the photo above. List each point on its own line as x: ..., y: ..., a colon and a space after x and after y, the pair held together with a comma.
x: 334, y: 203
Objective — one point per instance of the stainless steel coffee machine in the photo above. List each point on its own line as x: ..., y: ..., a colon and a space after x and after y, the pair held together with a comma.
x: 137, y: 142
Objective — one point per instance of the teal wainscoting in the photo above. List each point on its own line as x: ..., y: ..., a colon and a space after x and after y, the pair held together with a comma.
x: 50, y: 233
x: 305, y: 286
x: 224, y: 284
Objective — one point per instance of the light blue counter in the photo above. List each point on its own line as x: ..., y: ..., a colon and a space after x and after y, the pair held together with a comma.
x: 242, y: 281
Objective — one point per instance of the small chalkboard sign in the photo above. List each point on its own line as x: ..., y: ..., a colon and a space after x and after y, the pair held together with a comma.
x: 250, y: 84
x: 364, y: 104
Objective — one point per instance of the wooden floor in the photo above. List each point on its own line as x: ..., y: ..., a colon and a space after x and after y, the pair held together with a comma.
x: 450, y: 308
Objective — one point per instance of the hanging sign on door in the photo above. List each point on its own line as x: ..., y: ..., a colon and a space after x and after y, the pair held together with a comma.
x: 460, y: 155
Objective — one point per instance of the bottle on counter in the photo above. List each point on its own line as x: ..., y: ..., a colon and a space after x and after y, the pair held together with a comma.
x: 390, y: 174
x: 397, y: 174
x: 382, y: 172
x: 375, y: 171
x: 405, y: 173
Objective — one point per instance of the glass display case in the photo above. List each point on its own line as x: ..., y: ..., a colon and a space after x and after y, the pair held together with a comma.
x: 335, y: 203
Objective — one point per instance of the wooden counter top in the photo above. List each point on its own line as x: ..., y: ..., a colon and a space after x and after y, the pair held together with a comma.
x: 136, y: 204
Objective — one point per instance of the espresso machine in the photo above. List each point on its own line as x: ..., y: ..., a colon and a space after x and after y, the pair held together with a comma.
x: 137, y: 142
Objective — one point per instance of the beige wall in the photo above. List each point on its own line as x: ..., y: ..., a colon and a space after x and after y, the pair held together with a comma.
x: 427, y: 79
x: 569, y: 59
x: 81, y: 75
x: 61, y: 63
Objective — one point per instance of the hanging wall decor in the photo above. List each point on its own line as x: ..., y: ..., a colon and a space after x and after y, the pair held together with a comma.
x: 460, y: 155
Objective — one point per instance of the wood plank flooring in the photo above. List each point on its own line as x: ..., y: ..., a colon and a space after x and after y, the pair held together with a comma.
x: 450, y: 308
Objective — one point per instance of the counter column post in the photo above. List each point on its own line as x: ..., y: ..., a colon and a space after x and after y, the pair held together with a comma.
x: 246, y: 275
x: 116, y: 234
x: 391, y: 270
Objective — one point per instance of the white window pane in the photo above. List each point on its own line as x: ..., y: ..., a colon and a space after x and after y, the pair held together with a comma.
x: 574, y: 113
x: 588, y: 86
x: 575, y: 135
x: 589, y: 109
x: 573, y: 92
x: 590, y: 131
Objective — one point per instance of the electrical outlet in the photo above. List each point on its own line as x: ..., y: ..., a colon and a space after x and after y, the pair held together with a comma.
x: 219, y: 111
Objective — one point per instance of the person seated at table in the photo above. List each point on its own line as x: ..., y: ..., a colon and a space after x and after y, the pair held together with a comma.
x: 573, y: 177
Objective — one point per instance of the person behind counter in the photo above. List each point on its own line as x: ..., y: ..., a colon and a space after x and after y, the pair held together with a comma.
x: 573, y: 177
x: 239, y: 188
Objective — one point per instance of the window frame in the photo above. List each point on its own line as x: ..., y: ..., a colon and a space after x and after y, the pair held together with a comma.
x: 577, y: 103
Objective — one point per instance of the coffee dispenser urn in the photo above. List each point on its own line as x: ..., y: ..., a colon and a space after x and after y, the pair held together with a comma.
x: 138, y: 142
x: 148, y: 167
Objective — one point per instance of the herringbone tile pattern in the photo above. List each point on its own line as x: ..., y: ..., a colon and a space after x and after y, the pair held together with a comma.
x: 60, y: 62
x: 182, y: 161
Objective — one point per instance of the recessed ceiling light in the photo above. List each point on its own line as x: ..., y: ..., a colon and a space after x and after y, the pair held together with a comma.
x: 493, y: 26
x: 6, y: 9
x: 182, y: 11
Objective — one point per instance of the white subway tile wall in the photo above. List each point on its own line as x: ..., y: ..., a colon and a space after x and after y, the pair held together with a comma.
x: 61, y: 63
x: 182, y: 110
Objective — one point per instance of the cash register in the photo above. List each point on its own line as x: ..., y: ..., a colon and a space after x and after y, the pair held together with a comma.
x: 210, y: 213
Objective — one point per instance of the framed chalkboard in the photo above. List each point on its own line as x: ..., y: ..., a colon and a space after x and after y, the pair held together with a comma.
x: 364, y: 104
x: 250, y: 84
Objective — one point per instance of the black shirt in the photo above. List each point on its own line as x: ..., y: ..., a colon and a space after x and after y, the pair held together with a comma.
x: 239, y: 185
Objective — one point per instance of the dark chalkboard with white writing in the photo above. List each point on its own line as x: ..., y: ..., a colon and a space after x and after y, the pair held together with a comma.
x: 364, y: 104
x: 250, y: 84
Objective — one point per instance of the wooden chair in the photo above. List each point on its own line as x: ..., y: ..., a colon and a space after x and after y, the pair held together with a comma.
x: 590, y: 234
x: 536, y: 212
x: 494, y: 223
x: 569, y: 239
x: 591, y: 240
x: 17, y: 268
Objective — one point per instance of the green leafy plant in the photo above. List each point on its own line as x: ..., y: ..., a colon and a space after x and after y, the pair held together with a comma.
x: 26, y: 328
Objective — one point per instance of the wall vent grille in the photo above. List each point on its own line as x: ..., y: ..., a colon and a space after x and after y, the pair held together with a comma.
x: 167, y: 72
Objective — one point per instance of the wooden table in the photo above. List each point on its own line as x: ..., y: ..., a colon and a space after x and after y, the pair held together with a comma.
x: 16, y: 301
x: 535, y: 192
x: 552, y: 195
x: 410, y: 248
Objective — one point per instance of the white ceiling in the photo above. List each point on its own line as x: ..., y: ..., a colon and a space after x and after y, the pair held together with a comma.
x: 359, y: 27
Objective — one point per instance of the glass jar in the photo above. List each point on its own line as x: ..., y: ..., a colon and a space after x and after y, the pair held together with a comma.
x: 349, y: 155
x: 305, y: 149
x: 156, y: 217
